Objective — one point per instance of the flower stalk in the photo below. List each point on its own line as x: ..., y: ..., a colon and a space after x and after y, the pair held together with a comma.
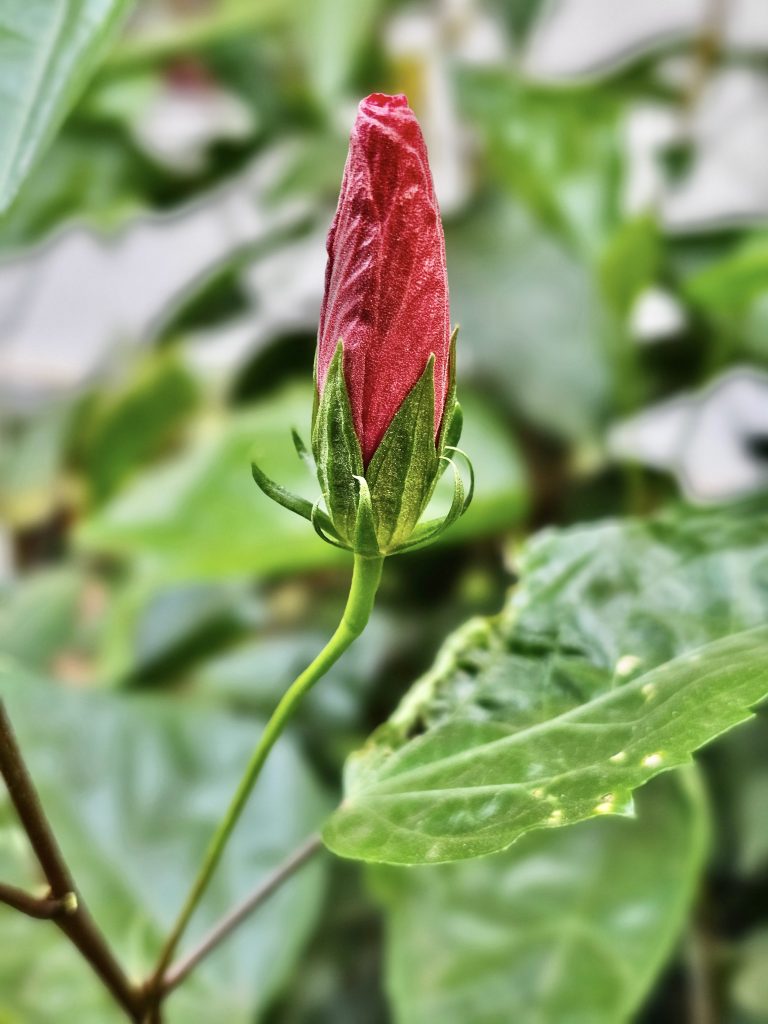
x: 365, y: 581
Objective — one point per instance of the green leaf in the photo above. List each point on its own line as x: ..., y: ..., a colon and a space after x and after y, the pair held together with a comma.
x: 95, y: 179
x: 48, y: 51
x: 199, y: 516
x: 337, y: 449
x: 571, y: 924
x: 598, y: 604
x: 467, y: 790
x: 151, y: 634
x: 134, y: 788
x: 473, y: 756
x: 401, y: 474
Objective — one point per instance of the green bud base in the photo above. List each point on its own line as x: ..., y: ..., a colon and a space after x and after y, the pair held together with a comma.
x: 376, y: 510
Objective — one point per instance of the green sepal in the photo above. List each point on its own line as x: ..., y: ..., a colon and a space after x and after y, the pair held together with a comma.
x: 336, y: 448
x: 425, y: 533
x: 404, y: 467
x: 280, y: 494
x: 324, y: 528
x: 366, y: 540
x: 302, y: 452
x: 452, y: 434
x: 470, y: 470
x: 377, y: 512
x: 301, y: 506
x: 453, y: 418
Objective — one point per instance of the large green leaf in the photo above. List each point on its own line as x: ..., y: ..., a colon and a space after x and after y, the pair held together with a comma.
x: 569, y: 925
x: 134, y: 788
x: 48, y: 50
x: 522, y: 723
x: 599, y: 604
x: 201, y: 516
x: 466, y: 789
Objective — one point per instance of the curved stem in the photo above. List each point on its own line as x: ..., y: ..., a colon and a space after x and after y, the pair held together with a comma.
x: 365, y: 582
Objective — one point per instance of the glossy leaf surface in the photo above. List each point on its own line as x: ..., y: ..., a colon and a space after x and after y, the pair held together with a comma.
x: 574, y: 923
x: 48, y: 50
x: 524, y: 723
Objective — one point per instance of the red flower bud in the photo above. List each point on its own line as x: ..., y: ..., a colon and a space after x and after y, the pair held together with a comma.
x: 386, y: 420
x: 386, y: 287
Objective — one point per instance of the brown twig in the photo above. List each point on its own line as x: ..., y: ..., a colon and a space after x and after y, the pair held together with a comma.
x: 177, y: 973
x: 43, y: 908
x: 76, y: 922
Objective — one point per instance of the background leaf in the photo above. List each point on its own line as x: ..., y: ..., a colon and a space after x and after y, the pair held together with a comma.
x: 48, y: 51
x: 574, y: 923
x: 466, y: 790
x: 592, y: 613
x: 134, y: 788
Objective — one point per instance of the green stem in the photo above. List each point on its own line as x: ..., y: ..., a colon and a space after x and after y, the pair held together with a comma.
x: 365, y: 582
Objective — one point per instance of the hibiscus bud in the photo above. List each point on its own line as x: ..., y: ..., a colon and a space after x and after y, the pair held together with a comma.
x: 384, y: 368
x: 386, y: 417
x: 386, y: 286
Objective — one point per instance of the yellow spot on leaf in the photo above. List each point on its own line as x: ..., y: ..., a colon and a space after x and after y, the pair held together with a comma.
x: 653, y: 760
